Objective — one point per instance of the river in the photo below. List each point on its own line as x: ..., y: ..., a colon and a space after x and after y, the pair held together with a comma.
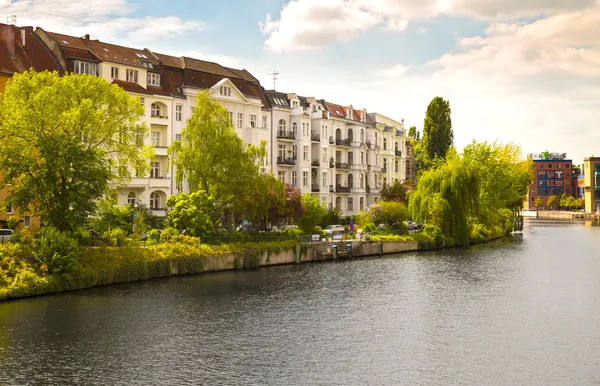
x: 519, y: 311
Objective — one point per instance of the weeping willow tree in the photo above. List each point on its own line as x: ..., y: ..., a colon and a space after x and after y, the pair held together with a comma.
x: 474, y: 195
x: 448, y: 197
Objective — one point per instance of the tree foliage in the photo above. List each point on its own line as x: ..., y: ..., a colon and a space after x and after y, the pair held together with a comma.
x: 313, y: 213
x: 389, y: 213
x: 109, y: 215
x: 191, y: 212
x: 394, y: 192
x: 473, y: 195
x: 438, y: 136
x: 63, y: 139
x: 552, y: 202
x: 213, y: 158
x: 265, y: 203
x: 539, y: 202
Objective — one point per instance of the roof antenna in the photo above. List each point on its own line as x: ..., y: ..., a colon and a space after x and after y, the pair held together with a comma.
x: 274, y: 74
x: 12, y: 20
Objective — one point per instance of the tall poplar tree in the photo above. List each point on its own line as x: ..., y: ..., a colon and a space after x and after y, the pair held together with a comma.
x: 438, y: 136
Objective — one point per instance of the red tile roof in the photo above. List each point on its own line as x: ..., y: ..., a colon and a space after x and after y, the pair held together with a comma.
x: 123, y: 55
x: 33, y: 54
x: 132, y: 87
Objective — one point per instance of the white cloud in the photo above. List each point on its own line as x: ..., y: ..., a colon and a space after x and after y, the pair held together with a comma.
x: 313, y: 24
x: 395, y: 71
x: 110, y: 20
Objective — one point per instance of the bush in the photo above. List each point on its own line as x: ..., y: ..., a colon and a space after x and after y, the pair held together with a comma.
x: 154, y: 236
x: 369, y: 227
x: 116, y: 237
x: 479, y: 234
x: 168, y: 234
x: 436, y: 235
x: 57, y: 251
x: 294, y: 232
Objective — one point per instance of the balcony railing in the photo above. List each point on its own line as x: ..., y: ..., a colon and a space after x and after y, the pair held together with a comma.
x: 315, y: 188
x: 343, y: 142
x: 316, y: 137
x: 286, y: 161
x: 316, y: 163
x: 342, y: 189
x: 398, y: 153
x: 341, y: 165
x: 283, y: 134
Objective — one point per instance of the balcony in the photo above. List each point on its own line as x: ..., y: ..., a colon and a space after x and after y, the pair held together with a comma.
x: 343, y: 142
x: 315, y: 163
x: 373, y: 168
x: 398, y: 153
x: 315, y: 137
x: 341, y: 165
x: 286, y: 161
x: 384, y: 169
x: 315, y: 188
x: 342, y: 189
x: 287, y: 135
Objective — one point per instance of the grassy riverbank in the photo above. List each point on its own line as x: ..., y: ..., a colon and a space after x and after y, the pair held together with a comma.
x: 21, y: 275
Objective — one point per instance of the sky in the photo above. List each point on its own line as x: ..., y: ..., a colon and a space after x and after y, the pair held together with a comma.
x: 520, y: 71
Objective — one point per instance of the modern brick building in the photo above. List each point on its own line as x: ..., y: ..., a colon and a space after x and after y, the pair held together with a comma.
x: 553, y: 177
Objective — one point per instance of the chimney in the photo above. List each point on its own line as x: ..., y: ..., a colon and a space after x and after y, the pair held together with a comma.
x: 8, y: 35
x: 87, y: 36
x: 23, y: 37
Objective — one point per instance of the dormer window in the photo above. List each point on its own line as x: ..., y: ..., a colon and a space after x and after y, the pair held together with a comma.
x: 80, y: 67
x: 225, y: 90
x: 363, y: 117
x: 153, y: 79
x: 131, y: 76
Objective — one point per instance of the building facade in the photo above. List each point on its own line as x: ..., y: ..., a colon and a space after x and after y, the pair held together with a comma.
x: 591, y: 184
x: 553, y: 177
x: 341, y: 154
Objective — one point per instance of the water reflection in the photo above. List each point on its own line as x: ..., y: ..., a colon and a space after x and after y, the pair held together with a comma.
x: 518, y: 311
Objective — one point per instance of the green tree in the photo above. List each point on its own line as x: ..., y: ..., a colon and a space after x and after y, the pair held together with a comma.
x: 412, y: 132
x: 313, y: 213
x: 64, y: 138
x: 333, y: 216
x: 109, y: 215
x: 389, y: 213
x: 211, y: 157
x: 265, y: 203
x: 394, y: 192
x: 191, y: 212
x: 438, y: 136
x: 539, y: 202
x: 552, y: 202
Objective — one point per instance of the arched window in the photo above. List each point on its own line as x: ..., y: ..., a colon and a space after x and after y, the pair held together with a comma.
x: 350, y: 204
x: 131, y: 198
x: 338, y: 134
x: 362, y: 203
x: 338, y: 203
x: 350, y: 135
x: 281, y: 125
x: 350, y: 181
x: 295, y: 128
x: 154, y: 201
x: 362, y: 180
x: 155, y: 110
x: 362, y: 135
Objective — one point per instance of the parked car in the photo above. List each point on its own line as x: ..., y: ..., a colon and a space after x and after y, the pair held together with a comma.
x: 246, y: 228
x: 334, y: 228
x: 411, y: 225
x: 5, y: 235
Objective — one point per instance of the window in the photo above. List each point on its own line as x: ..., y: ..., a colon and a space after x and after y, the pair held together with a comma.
x: 305, y: 153
x: 324, y: 178
x: 131, y: 199
x: 281, y: 125
x: 362, y: 180
x: 264, y: 122
x: 114, y: 72
x: 384, y: 164
x: 27, y: 221
x: 305, y: 178
x: 179, y: 113
x: 396, y: 166
x: 324, y: 152
x: 567, y: 166
x: 351, y: 158
x: 281, y: 151
x: 295, y: 128
x: 80, y: 68
x: 559, y: 166
x: 9, y: 209
x: 281, y: 176
x: 294, y: 181
x: 155, y: 170
x: 131, y: 76
x: 155, y: 136
x: 252, y: 121
x: 225, y: 90
x: 240, y: 120
x: 230, y: 117
x: 362, y: 203
x: 295, y: 152
x: 350, y: 181
x: 549, y: 166
x: 350, y: 203
x: 385, y: 144
x: 154, y: 201
x: 155, y: 110
x: 153, y: 79
x: 362, y: 135
x: 178, y: 137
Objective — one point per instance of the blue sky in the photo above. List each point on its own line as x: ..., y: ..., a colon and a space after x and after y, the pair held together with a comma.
x: 524, y: 71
